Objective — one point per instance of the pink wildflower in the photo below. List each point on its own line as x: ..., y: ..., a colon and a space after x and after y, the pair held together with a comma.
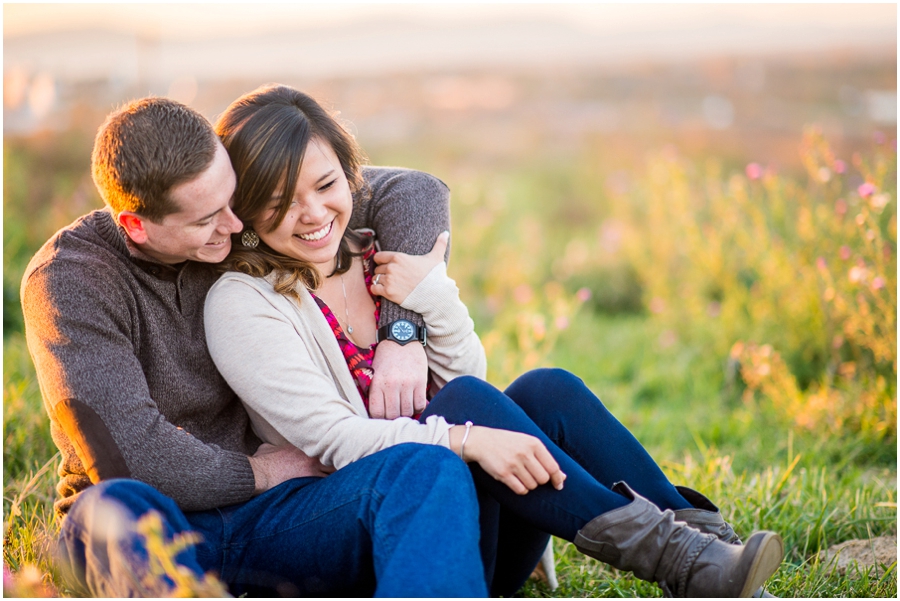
x: 845, y: 252
x: 583, y: 294
x: 878, y: 283
x: 839, y: 166
x: 866, y: 190
x: 840, y: 207
x: 562, y: 322
x: 754, y: 171
x: 523, y: 294
x: 821, y: 264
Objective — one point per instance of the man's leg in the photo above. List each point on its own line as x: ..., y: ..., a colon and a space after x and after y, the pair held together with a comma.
x: 400, y: 523
x: 100, y: 543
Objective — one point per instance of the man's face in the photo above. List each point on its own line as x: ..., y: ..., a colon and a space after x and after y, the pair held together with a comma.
x: 201, y: 230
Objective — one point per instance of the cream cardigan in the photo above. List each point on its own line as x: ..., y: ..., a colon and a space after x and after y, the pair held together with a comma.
x: 283, y: 361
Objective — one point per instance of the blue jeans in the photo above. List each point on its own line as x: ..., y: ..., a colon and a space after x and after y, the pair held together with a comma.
x: 591, y: 446
x: 400, y: 523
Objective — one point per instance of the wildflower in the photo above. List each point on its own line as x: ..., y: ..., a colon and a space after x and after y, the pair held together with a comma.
x: 657, y: 305
x: 839, y: 166
x: 856, y: 274
x: 754, y: 171
x: 821, y: 264
x: 878, y: 283
x: 879, y: 201
x: 845, y: 252
x: 840, y: 207
x: 562, y: 322
x: 667, y: 339
x: 824, y: 174
x: 523, y: 294
x: 866, y: 190
x: 583, y: 294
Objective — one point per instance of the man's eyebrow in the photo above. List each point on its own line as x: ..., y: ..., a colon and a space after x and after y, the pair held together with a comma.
x: 210, y: 216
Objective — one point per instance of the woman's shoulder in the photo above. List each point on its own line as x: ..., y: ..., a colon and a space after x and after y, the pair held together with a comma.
x: 234, y: 287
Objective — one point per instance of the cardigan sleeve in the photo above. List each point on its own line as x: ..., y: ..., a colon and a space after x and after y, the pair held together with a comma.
x: 453, y: 348
x: 268, y: 353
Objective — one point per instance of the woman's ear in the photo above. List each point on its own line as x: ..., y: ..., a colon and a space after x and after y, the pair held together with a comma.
x: 133, y: 224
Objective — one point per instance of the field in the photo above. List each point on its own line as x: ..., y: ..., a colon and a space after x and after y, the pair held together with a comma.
x: 736, y: 311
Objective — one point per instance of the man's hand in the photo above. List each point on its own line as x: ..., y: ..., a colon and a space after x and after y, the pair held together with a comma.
x: 273, y: 465
x: 398, y: 387
x: 397, y: 274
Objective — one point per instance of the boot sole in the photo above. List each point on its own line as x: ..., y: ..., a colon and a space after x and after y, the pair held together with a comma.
x: 769, y: 553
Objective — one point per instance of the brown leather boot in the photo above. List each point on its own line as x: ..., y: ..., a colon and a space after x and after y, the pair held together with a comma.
x: 685, y: 562
x: 705, y: 516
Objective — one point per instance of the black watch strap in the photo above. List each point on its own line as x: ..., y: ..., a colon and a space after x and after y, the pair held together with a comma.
x: 402, y: 331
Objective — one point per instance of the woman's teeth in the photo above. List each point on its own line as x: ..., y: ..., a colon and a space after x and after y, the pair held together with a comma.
x: 317, y: 235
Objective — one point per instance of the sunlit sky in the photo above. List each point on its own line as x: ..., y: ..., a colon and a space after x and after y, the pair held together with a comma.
x: 218, y: 19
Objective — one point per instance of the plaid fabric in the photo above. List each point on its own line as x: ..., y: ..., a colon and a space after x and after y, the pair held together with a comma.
x: 359, y: 360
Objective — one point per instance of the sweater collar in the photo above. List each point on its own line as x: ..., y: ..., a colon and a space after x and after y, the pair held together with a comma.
x: 115, y: 235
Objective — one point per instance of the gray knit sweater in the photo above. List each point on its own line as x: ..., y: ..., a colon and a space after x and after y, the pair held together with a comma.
x: 120, y: 352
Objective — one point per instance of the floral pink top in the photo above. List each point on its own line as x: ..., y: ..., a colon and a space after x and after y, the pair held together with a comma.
x: 359, y: 360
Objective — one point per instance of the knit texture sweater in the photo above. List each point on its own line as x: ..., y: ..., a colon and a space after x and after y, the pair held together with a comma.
x: 119, y: 348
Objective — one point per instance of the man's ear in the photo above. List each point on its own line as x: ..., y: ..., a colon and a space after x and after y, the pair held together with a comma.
x: 133, y: 224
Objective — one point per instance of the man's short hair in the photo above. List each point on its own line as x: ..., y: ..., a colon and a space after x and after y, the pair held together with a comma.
x: 146, y: 148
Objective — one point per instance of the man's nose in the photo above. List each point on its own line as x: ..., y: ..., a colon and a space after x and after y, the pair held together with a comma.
x: 231, y: 224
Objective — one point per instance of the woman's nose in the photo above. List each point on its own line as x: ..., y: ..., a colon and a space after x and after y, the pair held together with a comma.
x: 313, y: 212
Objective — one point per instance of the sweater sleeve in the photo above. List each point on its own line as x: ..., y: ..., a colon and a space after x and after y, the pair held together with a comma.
x: 269, y: 355
x: 453, y: 348
x: 79, y: 333
x: 408, y: 209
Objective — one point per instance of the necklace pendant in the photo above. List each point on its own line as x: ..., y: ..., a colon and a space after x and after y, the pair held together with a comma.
x: 350, y: 329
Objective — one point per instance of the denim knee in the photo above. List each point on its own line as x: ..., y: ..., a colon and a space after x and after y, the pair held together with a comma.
x: 99, y: 541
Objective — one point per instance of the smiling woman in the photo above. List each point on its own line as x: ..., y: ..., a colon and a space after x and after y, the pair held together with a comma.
x: 545, y: 454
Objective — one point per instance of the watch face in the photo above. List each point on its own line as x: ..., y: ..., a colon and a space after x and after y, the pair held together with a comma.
x: 402, y: 330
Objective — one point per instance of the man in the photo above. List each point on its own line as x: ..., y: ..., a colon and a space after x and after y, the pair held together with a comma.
x: 113, y: 309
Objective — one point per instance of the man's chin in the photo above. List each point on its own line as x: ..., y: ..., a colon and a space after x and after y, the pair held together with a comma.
x: 215, y: 255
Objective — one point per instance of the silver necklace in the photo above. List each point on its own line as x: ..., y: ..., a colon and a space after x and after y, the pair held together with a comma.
x: 346, y: 306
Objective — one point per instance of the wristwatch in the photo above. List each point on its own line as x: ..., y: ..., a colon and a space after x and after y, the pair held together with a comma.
x: 401, y: 332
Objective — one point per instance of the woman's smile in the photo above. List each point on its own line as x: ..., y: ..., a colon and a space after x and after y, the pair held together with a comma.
x: 319, y: 212
x: 319, y: 234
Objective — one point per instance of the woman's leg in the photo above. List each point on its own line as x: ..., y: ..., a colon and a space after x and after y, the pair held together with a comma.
x: 575, y: 419
x: 561, y: 513
x: 627, y: 531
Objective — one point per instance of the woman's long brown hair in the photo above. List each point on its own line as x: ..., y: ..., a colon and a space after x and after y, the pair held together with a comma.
x: 266, y: 133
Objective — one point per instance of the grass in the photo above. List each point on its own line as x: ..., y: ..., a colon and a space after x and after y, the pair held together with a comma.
x: 793, y: 430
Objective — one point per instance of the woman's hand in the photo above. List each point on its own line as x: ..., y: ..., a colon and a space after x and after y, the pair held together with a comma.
x: 397, y: 274
x: 520, y: 461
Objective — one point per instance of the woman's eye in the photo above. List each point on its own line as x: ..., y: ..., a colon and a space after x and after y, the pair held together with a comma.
x: 328, y: 185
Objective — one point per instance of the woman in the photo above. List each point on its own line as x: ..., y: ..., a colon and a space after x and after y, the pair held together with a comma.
x: 292, y: 327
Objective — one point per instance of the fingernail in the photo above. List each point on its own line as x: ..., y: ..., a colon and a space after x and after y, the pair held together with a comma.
x: 445, y: 234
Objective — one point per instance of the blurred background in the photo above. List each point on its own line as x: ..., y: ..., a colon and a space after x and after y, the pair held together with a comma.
x: 691, y: 206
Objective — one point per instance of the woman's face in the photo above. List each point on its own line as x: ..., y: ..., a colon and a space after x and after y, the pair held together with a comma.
x: 320, y: 210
